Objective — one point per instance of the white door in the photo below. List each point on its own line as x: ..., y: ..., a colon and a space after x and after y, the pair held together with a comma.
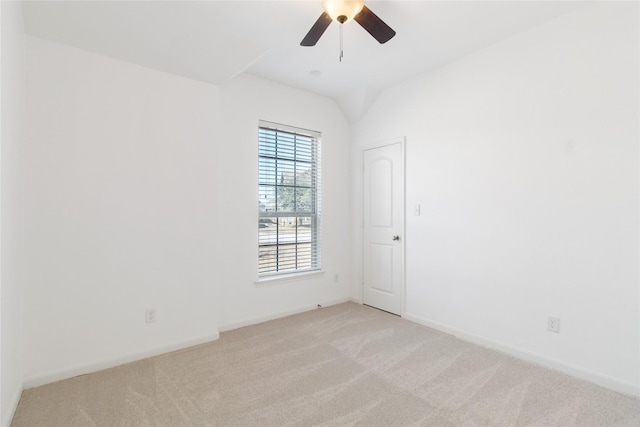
x: 383, y: 221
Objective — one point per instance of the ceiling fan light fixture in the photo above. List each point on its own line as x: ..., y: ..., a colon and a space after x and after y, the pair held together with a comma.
x: 342, y: 10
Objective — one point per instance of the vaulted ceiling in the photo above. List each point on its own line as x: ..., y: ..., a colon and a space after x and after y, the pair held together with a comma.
x: 213, y: 41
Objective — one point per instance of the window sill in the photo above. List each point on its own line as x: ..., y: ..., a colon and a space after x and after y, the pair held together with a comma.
x: 274, y: 280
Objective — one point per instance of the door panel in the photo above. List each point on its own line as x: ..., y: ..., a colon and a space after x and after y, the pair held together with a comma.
x: 381, y: 262
x: 380, y: 192
x: 383, y: 216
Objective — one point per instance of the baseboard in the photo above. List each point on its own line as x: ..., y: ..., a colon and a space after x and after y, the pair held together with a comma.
x: 277, y: 315
x: 13, y: 405
x: 63, y: 374
x: 573, y: 370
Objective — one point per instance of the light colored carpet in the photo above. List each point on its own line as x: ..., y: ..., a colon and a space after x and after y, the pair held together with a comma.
x: 339, y: 366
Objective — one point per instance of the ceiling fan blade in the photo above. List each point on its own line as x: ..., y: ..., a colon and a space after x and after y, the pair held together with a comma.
x: 374, y: 25
x: 317, y: 30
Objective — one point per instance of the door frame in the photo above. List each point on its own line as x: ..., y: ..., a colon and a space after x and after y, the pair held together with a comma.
x: 402, y: 141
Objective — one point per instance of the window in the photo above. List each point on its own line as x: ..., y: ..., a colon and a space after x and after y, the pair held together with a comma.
x: 289, y: 199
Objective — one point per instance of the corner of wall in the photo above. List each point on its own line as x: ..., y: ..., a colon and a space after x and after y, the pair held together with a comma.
x: 13, y: 92
x: 10, y: 411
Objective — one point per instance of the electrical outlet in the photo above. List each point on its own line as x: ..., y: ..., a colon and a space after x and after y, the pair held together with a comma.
x: 150, y: 315
x: 553, y: 324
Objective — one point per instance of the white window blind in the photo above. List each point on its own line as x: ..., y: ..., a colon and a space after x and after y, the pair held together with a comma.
x: 289, y: 199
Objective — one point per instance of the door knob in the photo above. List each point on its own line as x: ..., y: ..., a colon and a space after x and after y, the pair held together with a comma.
x: 396, y: 237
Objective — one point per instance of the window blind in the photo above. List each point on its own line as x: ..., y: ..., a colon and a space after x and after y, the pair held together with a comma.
x: 289, y: 199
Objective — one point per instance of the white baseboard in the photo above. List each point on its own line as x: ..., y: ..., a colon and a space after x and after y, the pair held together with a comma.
x: 11, y: 410
x: 36, y: 380
x: 277, y: 315
x: 573, y: 370
x: 63, y: 374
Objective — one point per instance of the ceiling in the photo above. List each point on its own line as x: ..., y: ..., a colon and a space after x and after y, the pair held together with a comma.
x: 213, y: 41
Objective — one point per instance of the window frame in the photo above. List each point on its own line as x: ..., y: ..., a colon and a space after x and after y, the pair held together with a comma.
x: 308, y: 142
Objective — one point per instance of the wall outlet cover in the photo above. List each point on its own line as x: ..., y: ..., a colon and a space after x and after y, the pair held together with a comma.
x: 553, y: 324
x: 150, y: 315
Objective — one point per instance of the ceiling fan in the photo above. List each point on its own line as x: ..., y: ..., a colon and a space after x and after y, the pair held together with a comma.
x: 344, y: 10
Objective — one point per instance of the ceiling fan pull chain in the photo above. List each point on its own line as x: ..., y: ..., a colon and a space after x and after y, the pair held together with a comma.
x: 341, y: 47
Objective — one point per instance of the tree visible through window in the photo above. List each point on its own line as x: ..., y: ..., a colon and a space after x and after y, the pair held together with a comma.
x: 289, y: 199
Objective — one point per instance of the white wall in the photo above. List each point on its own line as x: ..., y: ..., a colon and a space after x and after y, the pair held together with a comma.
x: 12, y: 88
x: 245, y: 101
x: 121, y: 211
x: 524, y: 158
x: 142, y: 192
